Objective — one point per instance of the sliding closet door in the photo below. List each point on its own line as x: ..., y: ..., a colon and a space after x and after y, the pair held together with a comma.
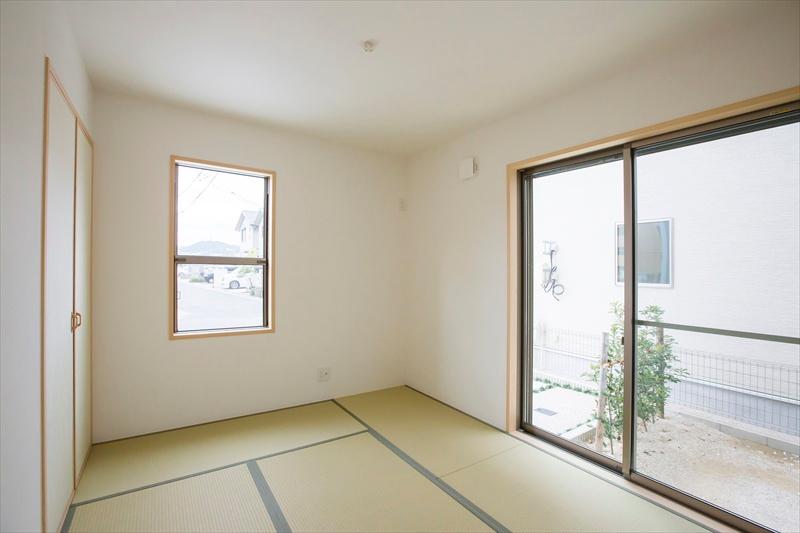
x: 83, y: 337
x: 57, y: 335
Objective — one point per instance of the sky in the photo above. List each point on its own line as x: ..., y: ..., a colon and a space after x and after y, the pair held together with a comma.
x: 210, y: 201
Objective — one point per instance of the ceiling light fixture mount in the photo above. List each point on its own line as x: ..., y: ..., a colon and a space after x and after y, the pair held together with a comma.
x: 368, y: 46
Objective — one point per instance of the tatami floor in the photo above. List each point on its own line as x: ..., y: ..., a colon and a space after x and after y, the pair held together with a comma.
x: 390, y: 460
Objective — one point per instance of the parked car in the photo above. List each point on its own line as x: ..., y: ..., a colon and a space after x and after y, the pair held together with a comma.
x: 209, y: 272
x: 242, y: 277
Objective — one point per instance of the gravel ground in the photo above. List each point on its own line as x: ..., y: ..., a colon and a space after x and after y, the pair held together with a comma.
x: 755, y: 481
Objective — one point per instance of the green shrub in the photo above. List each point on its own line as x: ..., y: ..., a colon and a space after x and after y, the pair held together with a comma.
x: 655, y: 370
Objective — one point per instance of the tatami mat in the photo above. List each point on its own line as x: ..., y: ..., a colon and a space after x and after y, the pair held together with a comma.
x: 422, y: 467
x: 132, y: 463
x: 438, y: 437
x: 528, y: 490
x: 221, y: 501
x: 357, y: 484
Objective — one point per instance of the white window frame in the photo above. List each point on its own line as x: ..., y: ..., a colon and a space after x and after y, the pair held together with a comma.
x: 671, y: 262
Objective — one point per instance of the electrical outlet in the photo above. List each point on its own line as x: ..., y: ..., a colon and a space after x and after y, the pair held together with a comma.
x: 324, y: 373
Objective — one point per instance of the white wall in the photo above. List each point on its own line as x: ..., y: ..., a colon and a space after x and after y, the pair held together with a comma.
x: 339, y: 273
x: 457, y: 317
x: 29, y: 32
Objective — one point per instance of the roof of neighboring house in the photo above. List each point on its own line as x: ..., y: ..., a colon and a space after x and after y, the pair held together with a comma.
x: 250, y: 218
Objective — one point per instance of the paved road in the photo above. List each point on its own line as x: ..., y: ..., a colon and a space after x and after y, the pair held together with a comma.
x: 201, y: 306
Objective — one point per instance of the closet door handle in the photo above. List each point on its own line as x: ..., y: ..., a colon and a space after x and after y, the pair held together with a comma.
x: 77, y: 320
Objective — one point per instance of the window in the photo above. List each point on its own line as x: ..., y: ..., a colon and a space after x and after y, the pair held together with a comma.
x: 675, y: 390
x: 221, y: 249
x: 653, y: 253
x: 717, y: 380
x: 568, y: 207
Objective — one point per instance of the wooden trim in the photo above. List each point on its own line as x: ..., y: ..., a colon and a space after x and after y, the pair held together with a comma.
x: 79, y: 468
x: 74, y: 286
x: 719, y: 113
x: 84, y: 462
x: 66, y: 511
x: 216, y: 165
x: 512, y: 169
x: 71, y: 106
x: 171, y: 301
x: 513, y: 369
x: 42, y: 417
x: 221, y: 333
x: 273, y: 185
x: 236, y: 417
x: 269, y: 280
x: 91, y: 310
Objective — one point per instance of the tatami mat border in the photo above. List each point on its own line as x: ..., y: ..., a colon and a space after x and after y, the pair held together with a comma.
x: 231, y: 465
x: 279, y: 520
x: 273, y: 508
x: 482, y: 515
x: 68, y: 519
x: 579, y: 467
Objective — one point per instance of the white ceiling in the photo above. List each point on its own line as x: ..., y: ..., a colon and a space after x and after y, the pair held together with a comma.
x: 439, y: 68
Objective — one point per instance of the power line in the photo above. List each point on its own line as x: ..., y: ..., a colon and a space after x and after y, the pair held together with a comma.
x: 200, y: 193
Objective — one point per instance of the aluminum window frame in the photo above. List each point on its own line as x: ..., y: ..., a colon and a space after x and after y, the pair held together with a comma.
x: 527, y: 178
x: 769, y: 117
x: 266, y: 262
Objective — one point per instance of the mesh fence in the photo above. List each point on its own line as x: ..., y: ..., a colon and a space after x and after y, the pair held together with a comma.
x: 758, y: 393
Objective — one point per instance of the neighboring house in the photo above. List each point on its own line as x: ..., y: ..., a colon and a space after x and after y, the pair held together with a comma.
x: 251, y: 231
x: 730, y: 265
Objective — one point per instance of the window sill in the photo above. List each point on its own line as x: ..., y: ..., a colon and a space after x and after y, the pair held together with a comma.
x: 220, y: 333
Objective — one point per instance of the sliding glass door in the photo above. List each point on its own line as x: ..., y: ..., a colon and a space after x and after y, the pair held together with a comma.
x: 575, y: 314
x: 661, y: 314
x: 717, y: 377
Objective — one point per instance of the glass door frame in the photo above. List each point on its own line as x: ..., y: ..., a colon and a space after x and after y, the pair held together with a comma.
x: 526, y: 209
x: 752, y: 121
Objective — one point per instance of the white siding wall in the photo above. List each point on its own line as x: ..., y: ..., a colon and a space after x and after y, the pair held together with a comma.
x: 736, y: 242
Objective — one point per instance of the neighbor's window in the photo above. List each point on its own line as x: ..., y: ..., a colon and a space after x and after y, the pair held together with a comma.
x: 221, y: 266
x: 653, y: 252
